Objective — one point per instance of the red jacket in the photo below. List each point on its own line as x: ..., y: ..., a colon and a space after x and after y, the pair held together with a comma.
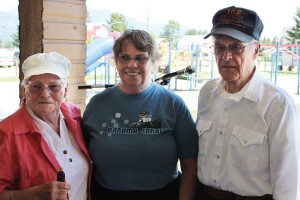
x: 25, y: 157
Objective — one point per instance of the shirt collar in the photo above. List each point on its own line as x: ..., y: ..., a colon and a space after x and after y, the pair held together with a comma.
x: 249, y: 91
x: 38, y: 122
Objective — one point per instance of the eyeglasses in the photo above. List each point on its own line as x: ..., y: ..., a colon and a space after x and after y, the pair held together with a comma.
x: 233, y: 49
x: 139, y: 59
x: 38, y: 88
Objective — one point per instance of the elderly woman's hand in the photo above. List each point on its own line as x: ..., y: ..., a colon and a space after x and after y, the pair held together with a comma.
x: 50, y: 191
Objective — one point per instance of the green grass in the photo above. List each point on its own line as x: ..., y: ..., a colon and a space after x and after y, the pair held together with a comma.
x: 281, y: 73
x: 298, y: 108
x: 9, y: 79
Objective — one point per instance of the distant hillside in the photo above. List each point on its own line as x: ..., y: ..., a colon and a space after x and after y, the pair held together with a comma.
x: 9, y: 22
x: 104, y: 15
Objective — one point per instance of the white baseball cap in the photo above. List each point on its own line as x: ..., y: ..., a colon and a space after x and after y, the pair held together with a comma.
x: 43, y: 63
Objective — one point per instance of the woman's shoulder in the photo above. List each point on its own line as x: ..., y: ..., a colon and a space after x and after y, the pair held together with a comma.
x: 163, y: 91
x: 71, y: 108
x: 168, y: 94
x: 19, y: 121
x: 104, y: 95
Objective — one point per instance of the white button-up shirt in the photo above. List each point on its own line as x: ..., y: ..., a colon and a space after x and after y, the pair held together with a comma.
x: 68, y: 155
x: 249, y: 141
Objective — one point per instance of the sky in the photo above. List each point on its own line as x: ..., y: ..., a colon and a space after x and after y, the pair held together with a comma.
x: 194, y: 13
x: 198, y: 14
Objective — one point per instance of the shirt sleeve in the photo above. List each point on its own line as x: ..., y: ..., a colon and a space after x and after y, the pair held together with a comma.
x: 186, y: 135
x: 284, y: 150
x: 6, y: 167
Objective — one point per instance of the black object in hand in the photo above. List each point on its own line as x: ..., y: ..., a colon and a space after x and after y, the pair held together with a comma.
x: 61, y: 176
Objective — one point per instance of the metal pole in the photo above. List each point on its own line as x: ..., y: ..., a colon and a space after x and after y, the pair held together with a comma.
x: 212, y: 67
x: 192, y: 63
x: 170, y: 61
x: 147, y: 19
x: 277, y: 56
x: 196, y: 68
x: 298, y: 70
x: 272, y: 67
x: 95, y: 76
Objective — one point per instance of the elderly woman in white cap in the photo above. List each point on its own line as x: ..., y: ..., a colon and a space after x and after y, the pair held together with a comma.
x: 43, y: 137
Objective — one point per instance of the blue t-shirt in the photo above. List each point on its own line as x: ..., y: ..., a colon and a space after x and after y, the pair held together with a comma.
x: 136, y: 139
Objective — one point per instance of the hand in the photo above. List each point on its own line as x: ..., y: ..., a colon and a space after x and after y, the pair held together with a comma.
x: 49, y: 191
x: 52, y: 191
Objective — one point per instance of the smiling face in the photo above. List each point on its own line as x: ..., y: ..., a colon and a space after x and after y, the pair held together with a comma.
x: 236, y: 69
x: 44, y: 94
x: 135, y: 75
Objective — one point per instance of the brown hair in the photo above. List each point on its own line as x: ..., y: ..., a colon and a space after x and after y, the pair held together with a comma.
x: 141, y: 40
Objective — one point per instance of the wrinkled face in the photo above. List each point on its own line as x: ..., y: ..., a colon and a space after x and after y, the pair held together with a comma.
x: 235, y: 59
x: 134, y: 68
x: 44, y: 94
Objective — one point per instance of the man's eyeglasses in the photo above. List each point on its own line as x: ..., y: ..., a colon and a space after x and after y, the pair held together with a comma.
x: 233, y: 49
x: 139, y: 59
x: 38, y: 88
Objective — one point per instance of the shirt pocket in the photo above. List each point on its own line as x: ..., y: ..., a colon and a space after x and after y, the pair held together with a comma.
x: 203, y: 127
x: 246, y: 148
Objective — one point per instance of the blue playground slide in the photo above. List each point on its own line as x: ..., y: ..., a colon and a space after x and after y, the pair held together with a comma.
x: 97, y: 49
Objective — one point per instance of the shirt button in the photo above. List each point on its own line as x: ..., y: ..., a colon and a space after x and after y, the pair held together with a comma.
x: 70, y: 160
x: 65, y: 151
x: 221, y: 132
x: 215, y: 181
x: 225, y: 109
x: 218, y: 156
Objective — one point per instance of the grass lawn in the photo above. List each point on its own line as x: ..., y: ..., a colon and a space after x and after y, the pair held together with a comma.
x: 9, y: 79
x: 298, y: 108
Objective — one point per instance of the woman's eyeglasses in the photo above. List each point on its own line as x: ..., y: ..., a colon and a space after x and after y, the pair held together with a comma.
x: 139, y: 59
x: 38, y: 88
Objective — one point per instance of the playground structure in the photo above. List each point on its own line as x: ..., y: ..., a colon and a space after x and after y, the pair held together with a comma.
x: 181, y: 55
x: 176, y: 57
x: 99, y: 53
x: 289, y: 58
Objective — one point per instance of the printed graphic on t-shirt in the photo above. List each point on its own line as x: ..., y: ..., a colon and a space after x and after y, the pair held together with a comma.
x: 145, y: 125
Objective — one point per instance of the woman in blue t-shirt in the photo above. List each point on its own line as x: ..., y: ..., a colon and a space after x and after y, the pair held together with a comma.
x: 137, y: 131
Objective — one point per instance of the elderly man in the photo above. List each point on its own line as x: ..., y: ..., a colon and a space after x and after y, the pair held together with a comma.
x: 43, y: 138
x: 247, y: 126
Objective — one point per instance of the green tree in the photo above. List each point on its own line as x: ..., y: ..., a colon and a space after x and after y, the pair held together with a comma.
x: 153, y: 35
x: 191, y: 32
x: 294, y: 33
x: 202, y: 32
x: 8, y: 44
x: 171, y: 31
x: 15, y: 39
x: 88, y: 18
x: 1, y: 44
x: 274, y: 40
x: 117, y: 22
x: 195, y: 32
x: 266, y: 41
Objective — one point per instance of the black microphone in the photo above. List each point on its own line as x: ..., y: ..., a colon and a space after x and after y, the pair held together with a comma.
x: 61, y: 176
x: 80, y: 87
x: 187, y: 70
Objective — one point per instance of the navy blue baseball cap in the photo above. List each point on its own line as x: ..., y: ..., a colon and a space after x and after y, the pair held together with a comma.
x: 239, y: 23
